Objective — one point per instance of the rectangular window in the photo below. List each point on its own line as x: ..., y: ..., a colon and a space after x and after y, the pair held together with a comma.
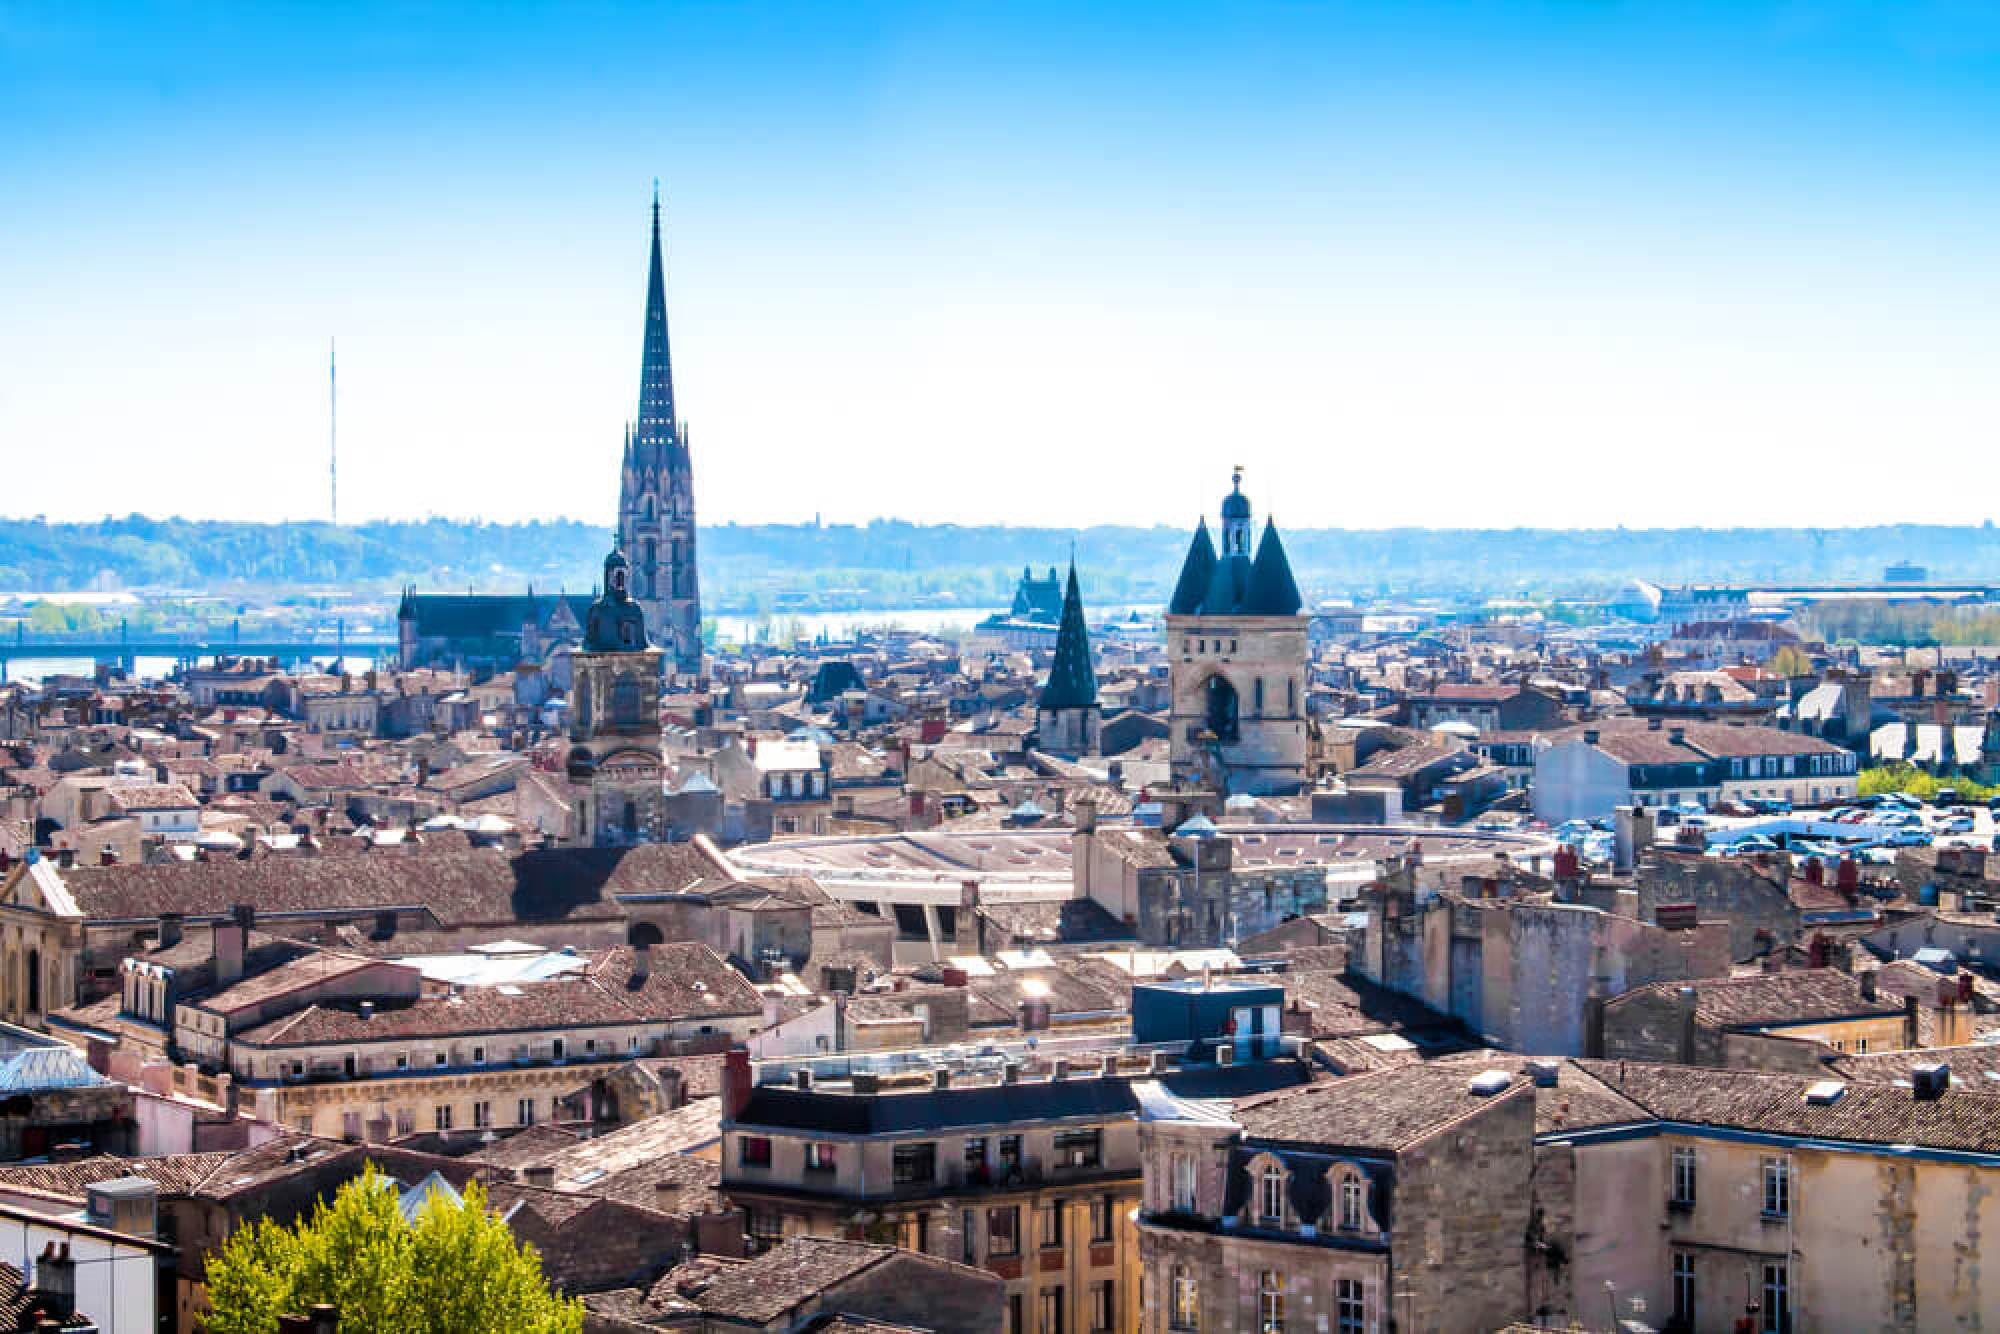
x: 440, y: 1058
x: 482, y: 1115
x: 1183, y: 1182
x: 1776, y: 1310
x: 1010, y: 1155
x: 1103, y: 1307
x: 1777, y: 1188
x: 1101, y: 1211
x: 1684, y: 1288
x: 1271, y: 1302
x: 524, y: 1112
x: 1013, y: 1324
x: 1003, y: 1230
x: 1350, y: 1307
x: 1353, y: 1202
x: 1186, y: 1300
x: 1683, y: 1183
x: 754, y: 1151
x: 479, y: 1055
x: 1052, y: 1311
x: 442, y: 1114
x: 1078, y: 1148
x: 968, y: 1223
x: 819, y: 1157
x: 975, y: 1158
x: 1052, y: 1224
x: 914, y: 1164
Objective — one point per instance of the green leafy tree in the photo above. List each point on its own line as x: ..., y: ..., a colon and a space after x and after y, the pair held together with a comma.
x: 455, y: 1270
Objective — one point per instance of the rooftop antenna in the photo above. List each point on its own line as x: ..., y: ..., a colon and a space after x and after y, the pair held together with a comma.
x: 332, y: 436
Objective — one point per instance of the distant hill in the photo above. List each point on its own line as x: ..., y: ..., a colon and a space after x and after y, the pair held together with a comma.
x: 890, y: 563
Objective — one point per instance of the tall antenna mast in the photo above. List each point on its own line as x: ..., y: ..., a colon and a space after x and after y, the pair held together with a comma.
x: 332, y: 436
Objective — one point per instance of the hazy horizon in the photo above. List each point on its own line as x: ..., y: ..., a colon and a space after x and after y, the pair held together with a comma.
x: 1525, y: 265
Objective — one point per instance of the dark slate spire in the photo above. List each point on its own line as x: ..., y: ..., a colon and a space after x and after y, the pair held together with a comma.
x: 1273, y: 592
x: 1072, y: 683
x: 656, y: 432
x: 1192, y: 586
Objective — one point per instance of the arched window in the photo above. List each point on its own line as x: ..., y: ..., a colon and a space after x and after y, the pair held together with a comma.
x: 1186, y: 1300
x: 1220, y: 708
x: 1271, y: 1302
x: 1271, y: 1194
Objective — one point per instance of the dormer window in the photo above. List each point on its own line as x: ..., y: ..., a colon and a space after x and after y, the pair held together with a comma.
x: 1353, y: 1201
x: 1271, y: 1195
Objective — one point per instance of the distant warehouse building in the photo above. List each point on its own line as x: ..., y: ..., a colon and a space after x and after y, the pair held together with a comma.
x: 1586, y: 772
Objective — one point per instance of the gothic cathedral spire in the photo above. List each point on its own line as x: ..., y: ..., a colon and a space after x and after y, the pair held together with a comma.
x: 656, y: 527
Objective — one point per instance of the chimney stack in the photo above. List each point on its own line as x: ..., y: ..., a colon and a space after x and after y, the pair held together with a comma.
x: 737, y: 1081
x: 170, y: 929
x: 55, y: 1282
x: 232, y: 942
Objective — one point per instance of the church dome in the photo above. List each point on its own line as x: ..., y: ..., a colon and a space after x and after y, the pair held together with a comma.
x: 616, y: 623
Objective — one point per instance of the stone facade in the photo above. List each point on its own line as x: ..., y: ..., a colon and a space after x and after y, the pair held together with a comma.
x: 1239, y: 1232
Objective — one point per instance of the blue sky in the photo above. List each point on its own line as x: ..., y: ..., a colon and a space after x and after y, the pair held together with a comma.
x: 1487, y: 264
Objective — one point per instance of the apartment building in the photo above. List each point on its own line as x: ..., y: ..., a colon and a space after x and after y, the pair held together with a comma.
x: 1024, y: 1162
x: 1392, y: 1200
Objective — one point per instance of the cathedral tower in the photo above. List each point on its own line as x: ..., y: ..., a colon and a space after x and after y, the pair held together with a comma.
x: 1236, y: 653
x: 656, y: 492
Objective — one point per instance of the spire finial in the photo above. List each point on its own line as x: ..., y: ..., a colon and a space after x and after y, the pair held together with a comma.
x: 656, y: 203
x: 1236, y: 477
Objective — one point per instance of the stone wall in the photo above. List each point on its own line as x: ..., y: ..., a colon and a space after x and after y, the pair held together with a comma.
x: 1458, y: 1245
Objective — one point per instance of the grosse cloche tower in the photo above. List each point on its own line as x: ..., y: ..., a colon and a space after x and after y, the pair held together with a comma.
x: 656, y: 492
x: 1236, y: 649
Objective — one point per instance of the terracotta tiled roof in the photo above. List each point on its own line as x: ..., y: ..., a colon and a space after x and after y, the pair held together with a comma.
x: 1388, y: 1110
x: 1761, y: 999
x: 1864, y: 1113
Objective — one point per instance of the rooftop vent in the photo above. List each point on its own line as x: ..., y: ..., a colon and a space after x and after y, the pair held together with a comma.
x: 1930, y: 1079
x: 1544, y: 1073
x: 1489, y: 1082
x: 1825, y: 1092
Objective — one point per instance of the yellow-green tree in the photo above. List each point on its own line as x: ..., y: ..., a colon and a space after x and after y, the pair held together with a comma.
x: 454, y: 1270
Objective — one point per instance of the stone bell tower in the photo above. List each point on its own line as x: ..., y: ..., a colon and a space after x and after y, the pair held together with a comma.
x: 1236, y: 653
x: 614, y: 722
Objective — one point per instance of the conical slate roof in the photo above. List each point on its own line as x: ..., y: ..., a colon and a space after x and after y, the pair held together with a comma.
x: 1072, y: 684
x: 656, y: 433
x: 1273, y: 592
x: 1192, y: 586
